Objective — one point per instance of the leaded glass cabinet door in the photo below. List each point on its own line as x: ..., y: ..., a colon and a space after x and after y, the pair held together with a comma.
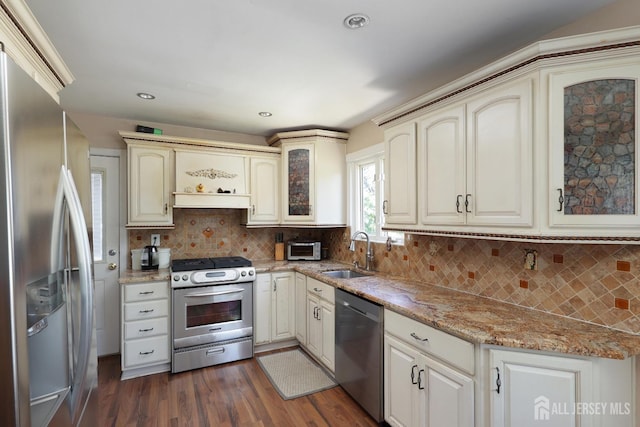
x: 299, y: 182
x: 593, y: 131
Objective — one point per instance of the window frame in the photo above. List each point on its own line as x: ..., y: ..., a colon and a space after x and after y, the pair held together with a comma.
x: 355, y: 160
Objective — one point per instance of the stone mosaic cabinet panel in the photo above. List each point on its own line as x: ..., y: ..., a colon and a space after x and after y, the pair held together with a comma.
x: 299, y: 196
x: 599, y: 148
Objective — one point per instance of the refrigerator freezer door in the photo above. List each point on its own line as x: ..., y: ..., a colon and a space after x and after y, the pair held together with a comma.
x: 31, y: 153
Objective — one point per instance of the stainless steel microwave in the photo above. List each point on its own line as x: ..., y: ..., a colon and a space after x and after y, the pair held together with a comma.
x: 303, y: 250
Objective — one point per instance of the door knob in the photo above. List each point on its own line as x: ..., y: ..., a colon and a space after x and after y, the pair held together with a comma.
x: 113, y: 266
x: 112, y: 252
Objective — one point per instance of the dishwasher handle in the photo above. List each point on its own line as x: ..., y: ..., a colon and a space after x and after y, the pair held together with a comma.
x: 357, y: 310
x: 375, y: 317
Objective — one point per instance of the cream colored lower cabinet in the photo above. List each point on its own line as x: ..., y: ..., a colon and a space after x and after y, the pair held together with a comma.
x: 145, y: 329
x: 301, y: 308
x: 274, y: 311
x: 321, y: 322
x: 420, y: 389
x: 530, y: 389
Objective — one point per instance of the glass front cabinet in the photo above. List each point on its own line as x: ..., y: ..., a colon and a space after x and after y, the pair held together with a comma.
x: 593, y: 136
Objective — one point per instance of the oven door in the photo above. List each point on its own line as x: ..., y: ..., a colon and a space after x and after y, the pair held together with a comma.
x: 208, y: 314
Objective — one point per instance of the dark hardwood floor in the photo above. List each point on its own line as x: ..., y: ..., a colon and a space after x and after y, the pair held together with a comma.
x: 234, y: 394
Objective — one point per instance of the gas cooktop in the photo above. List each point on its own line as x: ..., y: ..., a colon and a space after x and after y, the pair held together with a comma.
x: 209, y: 263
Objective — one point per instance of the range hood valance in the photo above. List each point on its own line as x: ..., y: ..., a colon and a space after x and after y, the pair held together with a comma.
x: 211, y: 180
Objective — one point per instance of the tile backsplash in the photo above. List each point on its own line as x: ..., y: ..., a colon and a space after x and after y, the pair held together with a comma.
x: 595, y: 283
x: 203, y: 233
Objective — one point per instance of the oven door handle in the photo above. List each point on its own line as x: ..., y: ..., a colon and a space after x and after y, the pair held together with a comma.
x: 213, y: 294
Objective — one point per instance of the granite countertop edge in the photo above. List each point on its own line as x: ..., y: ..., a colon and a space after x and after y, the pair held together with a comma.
x: 471, y: 317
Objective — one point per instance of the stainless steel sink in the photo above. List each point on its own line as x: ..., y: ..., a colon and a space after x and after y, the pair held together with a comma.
x: 344, y: 274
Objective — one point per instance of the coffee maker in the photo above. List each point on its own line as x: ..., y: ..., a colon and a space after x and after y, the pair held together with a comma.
x: 149, y: 258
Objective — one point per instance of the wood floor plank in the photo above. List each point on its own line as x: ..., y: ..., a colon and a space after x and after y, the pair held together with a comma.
x: 236, y: 394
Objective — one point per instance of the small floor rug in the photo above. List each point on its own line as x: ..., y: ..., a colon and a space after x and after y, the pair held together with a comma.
x: 294, y: 374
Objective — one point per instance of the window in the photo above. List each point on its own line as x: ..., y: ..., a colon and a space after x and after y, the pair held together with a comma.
x: 366, y: 193
x: 97, y: 213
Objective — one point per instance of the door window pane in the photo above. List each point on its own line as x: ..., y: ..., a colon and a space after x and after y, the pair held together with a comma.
x: 98, y: 194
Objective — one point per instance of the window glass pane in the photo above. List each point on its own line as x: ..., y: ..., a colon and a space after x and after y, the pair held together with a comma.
x: 368, y: 198
x: 97, y: 211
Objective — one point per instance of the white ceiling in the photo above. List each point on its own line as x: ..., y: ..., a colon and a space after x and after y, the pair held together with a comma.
x: 215, y: 64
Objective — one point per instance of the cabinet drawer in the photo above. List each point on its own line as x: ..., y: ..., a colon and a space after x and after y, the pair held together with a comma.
x: 146, y: 351
x: 322, y: 290
x: 453, y: 350
x: 146, y: 310
x: 146, y: 328
x: 146, y: 291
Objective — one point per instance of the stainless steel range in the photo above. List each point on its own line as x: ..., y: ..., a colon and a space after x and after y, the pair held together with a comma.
x: 212, y: 305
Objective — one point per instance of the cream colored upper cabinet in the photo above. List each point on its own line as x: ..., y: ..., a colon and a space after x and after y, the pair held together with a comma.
x: 313, y: 177
x: 399, y: 205
x: 594, y: 156
x: 475, y: 160
x: 299, y: 183
x: 441, y: 171
x: 265, y: 191
x: 499, y: 190
x: 150, y: 186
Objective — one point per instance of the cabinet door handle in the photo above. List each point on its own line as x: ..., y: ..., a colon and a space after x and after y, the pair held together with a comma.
x: 498, y: 380
x: 384, y: 207
x: 413, y: 374
x: 416, y: 337
x: 253, y: 209
x: 145, y: 330
x: 274, y: 285
x: 467, y: 203
x: 560, y: 200
x: 145, y: 293
x: 166, y: 208
x: 458, y: 197
x: 145, y: 353
x: 420, y: 386
x: 146, y: 311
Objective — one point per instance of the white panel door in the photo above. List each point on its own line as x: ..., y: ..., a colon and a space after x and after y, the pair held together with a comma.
x: 538, y: 390
x: 105, y: 202
x: 449, y: 396
x: 301, y: 308
x: 500, y: 157
x: 441, y: 167
x: 400, y: 175
x: 150, y: 186
x: 400, y: 383
x: 262, y: 309
x: 282, y: 306
x: 265, y: 190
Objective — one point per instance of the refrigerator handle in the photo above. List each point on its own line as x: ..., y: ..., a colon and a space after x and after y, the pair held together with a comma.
x: 79, y: 227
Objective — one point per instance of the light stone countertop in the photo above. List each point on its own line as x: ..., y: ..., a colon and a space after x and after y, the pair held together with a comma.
x: 474, y: 318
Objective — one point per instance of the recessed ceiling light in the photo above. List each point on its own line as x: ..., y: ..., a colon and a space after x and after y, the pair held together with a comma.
x: 145, y: 95
x: 265, y: 114
x: 355, y: 21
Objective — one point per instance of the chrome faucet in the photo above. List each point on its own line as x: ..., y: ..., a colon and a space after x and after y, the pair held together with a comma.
x: 369, y: 256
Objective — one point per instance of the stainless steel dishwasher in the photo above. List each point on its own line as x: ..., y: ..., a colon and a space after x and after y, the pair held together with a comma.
x: 359, y: 339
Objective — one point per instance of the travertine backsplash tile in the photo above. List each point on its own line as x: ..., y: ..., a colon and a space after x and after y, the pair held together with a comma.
x: 596, y: 283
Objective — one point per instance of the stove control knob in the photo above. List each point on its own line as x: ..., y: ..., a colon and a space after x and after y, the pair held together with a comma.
x: 244, y: 273
x: 185, y: 277
x: 250, y: 272
x: 176, y: 278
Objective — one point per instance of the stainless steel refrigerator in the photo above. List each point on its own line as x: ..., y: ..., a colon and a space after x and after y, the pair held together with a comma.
x: 47, y: 331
